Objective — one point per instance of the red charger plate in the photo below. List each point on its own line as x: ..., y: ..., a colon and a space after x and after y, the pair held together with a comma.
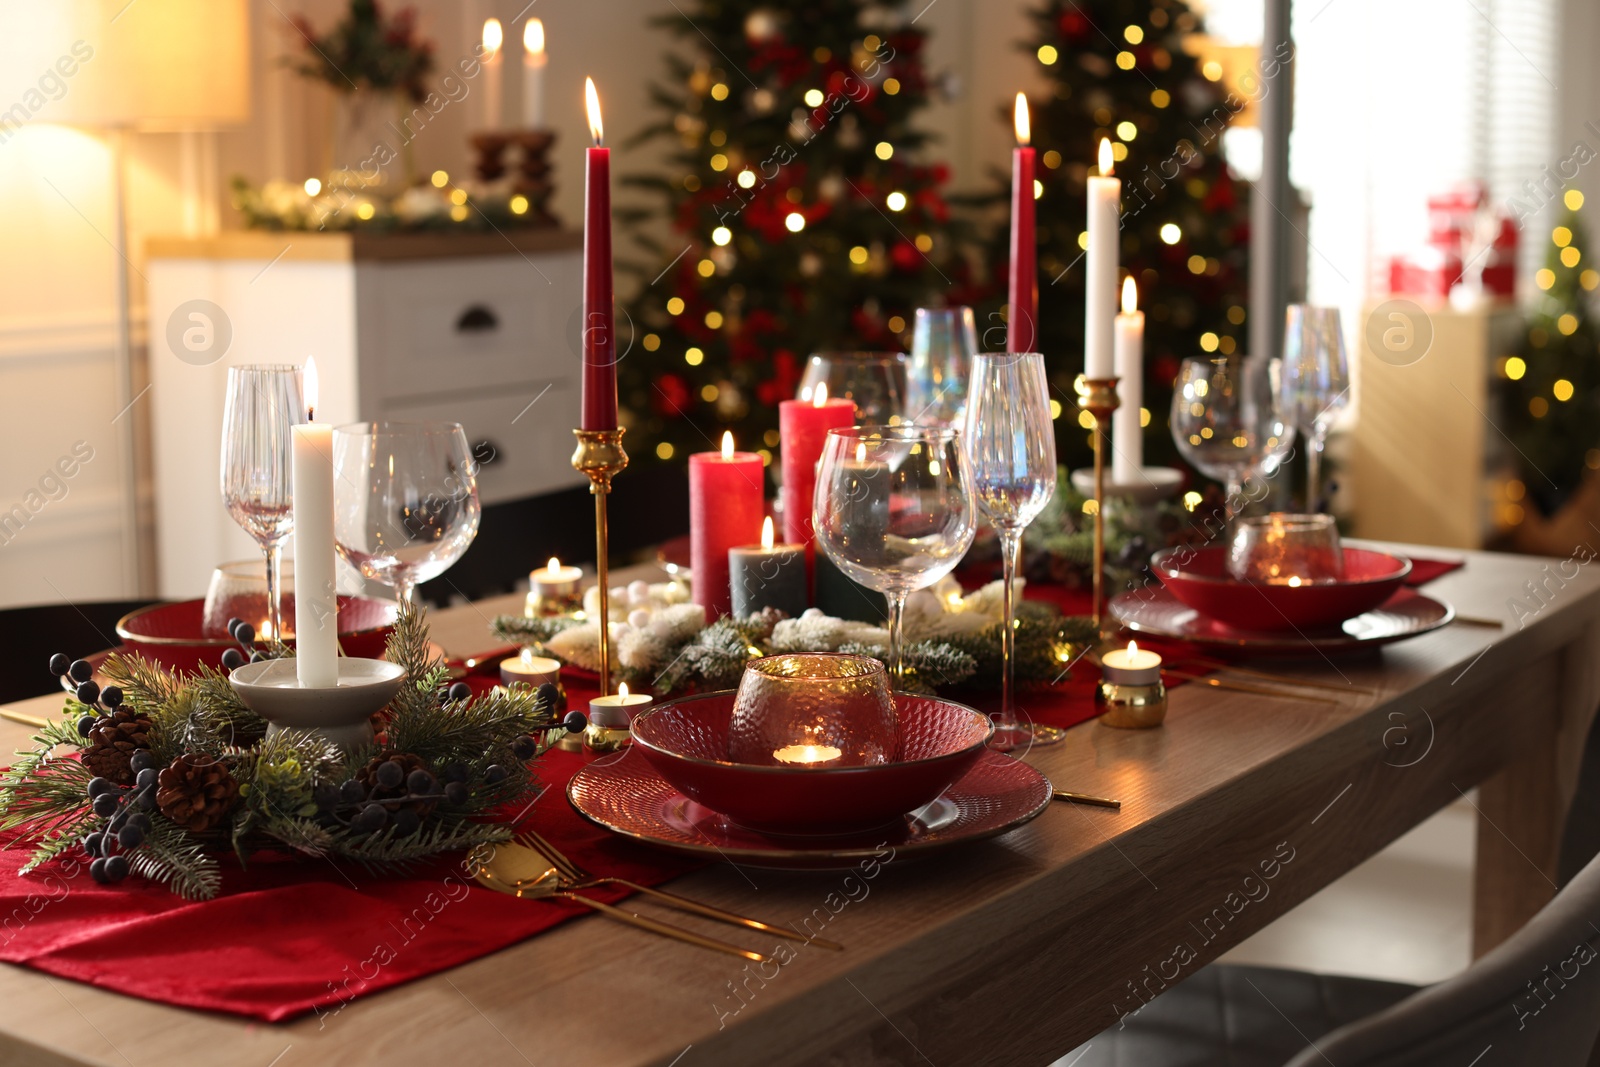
x: 1200, y: 579
x: 626, y: 795
x: 1155, y: 611
x: 686, y: 740
x: 169, y: 634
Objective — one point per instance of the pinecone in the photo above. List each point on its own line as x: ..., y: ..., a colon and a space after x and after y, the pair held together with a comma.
x: 113, y: 741
x: 368, y: 777
x: 196, y: 792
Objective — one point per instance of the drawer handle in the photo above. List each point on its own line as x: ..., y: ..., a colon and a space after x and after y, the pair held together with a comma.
x: 486, y: 453
x: 477, y: 319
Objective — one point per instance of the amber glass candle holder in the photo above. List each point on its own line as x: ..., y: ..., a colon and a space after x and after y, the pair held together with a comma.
x: 822, y: 709
x: 1283, y: 549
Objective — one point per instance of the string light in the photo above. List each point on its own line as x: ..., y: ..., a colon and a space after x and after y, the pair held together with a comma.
x: 1515, y: 368
x: 721, y: 235
x: 1170, y: 233
x: 896, y: 201
x: 519, y: 205
x: 795, y: 222
x: 1048, y: 54
x: 884, y: 150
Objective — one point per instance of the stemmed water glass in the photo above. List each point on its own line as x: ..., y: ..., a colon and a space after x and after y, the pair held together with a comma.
x: 875, y: 381
x: 1226, y: 421
x: 263, y: 403
x: 1314, y: 383
x: 1012, y: 446
x: 894, y: 511
x: 405, y: 500
x: 943, y: 342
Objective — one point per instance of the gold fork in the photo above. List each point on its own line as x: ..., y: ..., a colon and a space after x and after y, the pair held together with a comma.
x: 1240, y: 687
x: 1281, y: 679
x: 582, y: 879
x: 506, y: 871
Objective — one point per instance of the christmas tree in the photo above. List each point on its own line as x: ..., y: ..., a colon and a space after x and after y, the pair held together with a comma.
x: 1550, y: 390
x: 1120, y: 71
x: 801, y: 217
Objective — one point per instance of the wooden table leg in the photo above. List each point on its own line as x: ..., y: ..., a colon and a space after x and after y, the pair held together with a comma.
x: 1520, y: 816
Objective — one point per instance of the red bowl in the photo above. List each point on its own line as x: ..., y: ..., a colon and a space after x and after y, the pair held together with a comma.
x: 1199, y: 578
x: 686, y: 740
x: 169, y: 634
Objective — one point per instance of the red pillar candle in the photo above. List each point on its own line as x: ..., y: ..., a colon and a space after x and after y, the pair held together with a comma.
x: 1022, y: 324
x: 599, y: 336
x: 727, y: 501
x: 803, y: 427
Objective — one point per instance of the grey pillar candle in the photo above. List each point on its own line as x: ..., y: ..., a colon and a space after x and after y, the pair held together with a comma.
x: 767, y: 576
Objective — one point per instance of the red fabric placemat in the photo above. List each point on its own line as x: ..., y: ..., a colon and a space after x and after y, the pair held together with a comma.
x: 1424, y: 571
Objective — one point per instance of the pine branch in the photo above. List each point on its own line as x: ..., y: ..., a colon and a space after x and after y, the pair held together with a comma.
x: 387, y: 853
x: 173, y: 858
x: 144, y: 685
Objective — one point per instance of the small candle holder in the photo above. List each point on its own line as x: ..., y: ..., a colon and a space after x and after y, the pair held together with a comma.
x: 1282, y: 549
x: 1099, y: 398
x: 341, y: 713
x: 533, y: 174
x: 489, y: 148
x: 821, y: 709
x: 1131, y: 692
x: 554, y: 590
x: 611, y: 720
x: 528, y: 669
x: 600, y: 456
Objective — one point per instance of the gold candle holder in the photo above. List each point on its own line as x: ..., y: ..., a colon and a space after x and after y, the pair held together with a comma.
x: 599, y: 455
x: 1131, y: 693
x: 1099, y: 398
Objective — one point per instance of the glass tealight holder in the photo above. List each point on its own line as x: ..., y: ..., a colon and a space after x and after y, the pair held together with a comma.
x: 1283, y: 549
x: 1131, y: 694
x: 823, y: 709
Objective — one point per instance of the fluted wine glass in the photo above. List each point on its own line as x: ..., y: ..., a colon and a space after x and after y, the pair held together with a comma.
x: 1226, y: 421
x: 894, y: 511
x: 405, y: 500
x: 1314, y: 383
x: 1012, y: 446
x: 263, y: 403
x: 943, y: 344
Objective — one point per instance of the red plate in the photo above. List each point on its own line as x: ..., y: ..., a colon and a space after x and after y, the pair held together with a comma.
x: 1200, y: 579
x: 170, y: 634
x: 624, y: 794
x: 1157, y: 612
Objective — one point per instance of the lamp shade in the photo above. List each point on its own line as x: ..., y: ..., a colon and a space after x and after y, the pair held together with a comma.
x: 150, y: 65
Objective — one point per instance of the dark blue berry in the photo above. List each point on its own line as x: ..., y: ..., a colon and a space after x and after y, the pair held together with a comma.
x: 85, y: 724
x: 456, y: 793
x: 575, y: 721
x: 147, y: 776
x: 371, y: 819
x: 257, y: 657
x: 88, y: 692
x: 390, y: 774
x: 420, y: 781
x: 144, y: 799
x: 406, y: 822
x: 111, y: 697
x: 59, y: 664
x: 244, y: 633
x: 97, y: 871
x: 141, y: 820
x: 130, y: 837
x: 116, y: 868
x: 524, y: 747
x: 234, y: 623
x: 98, y: 785
x: 548, y: 693
x: 105, y: 805
x: 141, y: 760
x: 460, y: 691
x: 456, y: 772
x: 352, y: 791
x: 92, y: 844
x: 494, y: 774
x: 326, y: 795
x: 80, y: 670
x: 232, y: 659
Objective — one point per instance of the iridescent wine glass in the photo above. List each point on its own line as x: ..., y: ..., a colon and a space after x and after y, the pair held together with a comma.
x: 1314, y: 383
x: 875, y: 381
x: 1011, y: 443
x: 1226, y: 421
x: 943, y: 344
x: 405, y: 500
x: 263, y: 403
x: 894, y: 511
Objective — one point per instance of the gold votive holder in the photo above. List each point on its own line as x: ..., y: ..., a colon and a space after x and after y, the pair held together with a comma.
x: 611, y: 719
x: 554, y: 590
x: 813, y: 709
x: 1131, y: 692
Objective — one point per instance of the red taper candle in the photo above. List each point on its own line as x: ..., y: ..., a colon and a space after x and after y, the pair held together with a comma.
x: 1022, y: 325
x: 727, y: 501
x: 803, y: 427
x: 599, y: 333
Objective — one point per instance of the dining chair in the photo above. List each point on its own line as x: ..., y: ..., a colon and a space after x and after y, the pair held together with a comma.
x: 31, y: 635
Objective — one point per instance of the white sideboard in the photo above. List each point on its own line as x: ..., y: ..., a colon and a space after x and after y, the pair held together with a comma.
x: 468, y: 328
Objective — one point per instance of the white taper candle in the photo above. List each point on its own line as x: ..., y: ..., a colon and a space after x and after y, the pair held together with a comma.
x: 1127, y: 438
x: 316, y: 603
x: 1100, y: 280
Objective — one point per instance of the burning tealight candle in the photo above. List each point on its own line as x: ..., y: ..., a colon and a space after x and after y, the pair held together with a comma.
x: 1132, y: 665
x: 806, y: 755
x: 610, y: 718
x: 529, y: 669
x: 1130, y: 688
x: 553, y: 589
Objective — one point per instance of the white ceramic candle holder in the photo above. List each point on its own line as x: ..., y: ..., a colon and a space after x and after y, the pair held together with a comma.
x: 341, y: 713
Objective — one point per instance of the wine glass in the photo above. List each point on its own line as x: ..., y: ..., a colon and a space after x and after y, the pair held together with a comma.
x: 263, y: 403
x: 894, y: 511
x: 876, y: 381
x: 1226, y: 422
x: 238, y: 590
x: 1314, y: 383
x: 943, y: 342
x: 1011, y: 443
x: 405, y: 500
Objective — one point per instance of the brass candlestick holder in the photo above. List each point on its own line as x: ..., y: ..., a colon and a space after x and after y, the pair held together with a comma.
x: 1099, y: 398
x: 599, y: 455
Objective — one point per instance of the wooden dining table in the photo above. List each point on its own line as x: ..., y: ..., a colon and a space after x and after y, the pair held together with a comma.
x: 1008, y: 951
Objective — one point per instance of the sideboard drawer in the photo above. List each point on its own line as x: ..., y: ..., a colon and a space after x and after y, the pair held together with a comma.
x: 528, y: 439
x: 470, y: 324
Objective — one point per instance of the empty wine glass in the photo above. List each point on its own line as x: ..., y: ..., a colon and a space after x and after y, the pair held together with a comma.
x: 1011, y: 443
x: 875, y: 381
x: 405, y: 500
x: 943, y: 342
x: 263, y: 403
x: 894, y: 511
x: 1314, y: 383
x: 1226, y: 422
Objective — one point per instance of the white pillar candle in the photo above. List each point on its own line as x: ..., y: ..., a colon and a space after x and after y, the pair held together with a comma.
x: 1100, y: 279
x: 1127, y: 438
x: 533, y: 63
x: 316, y: 601
x: 493, y: 61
